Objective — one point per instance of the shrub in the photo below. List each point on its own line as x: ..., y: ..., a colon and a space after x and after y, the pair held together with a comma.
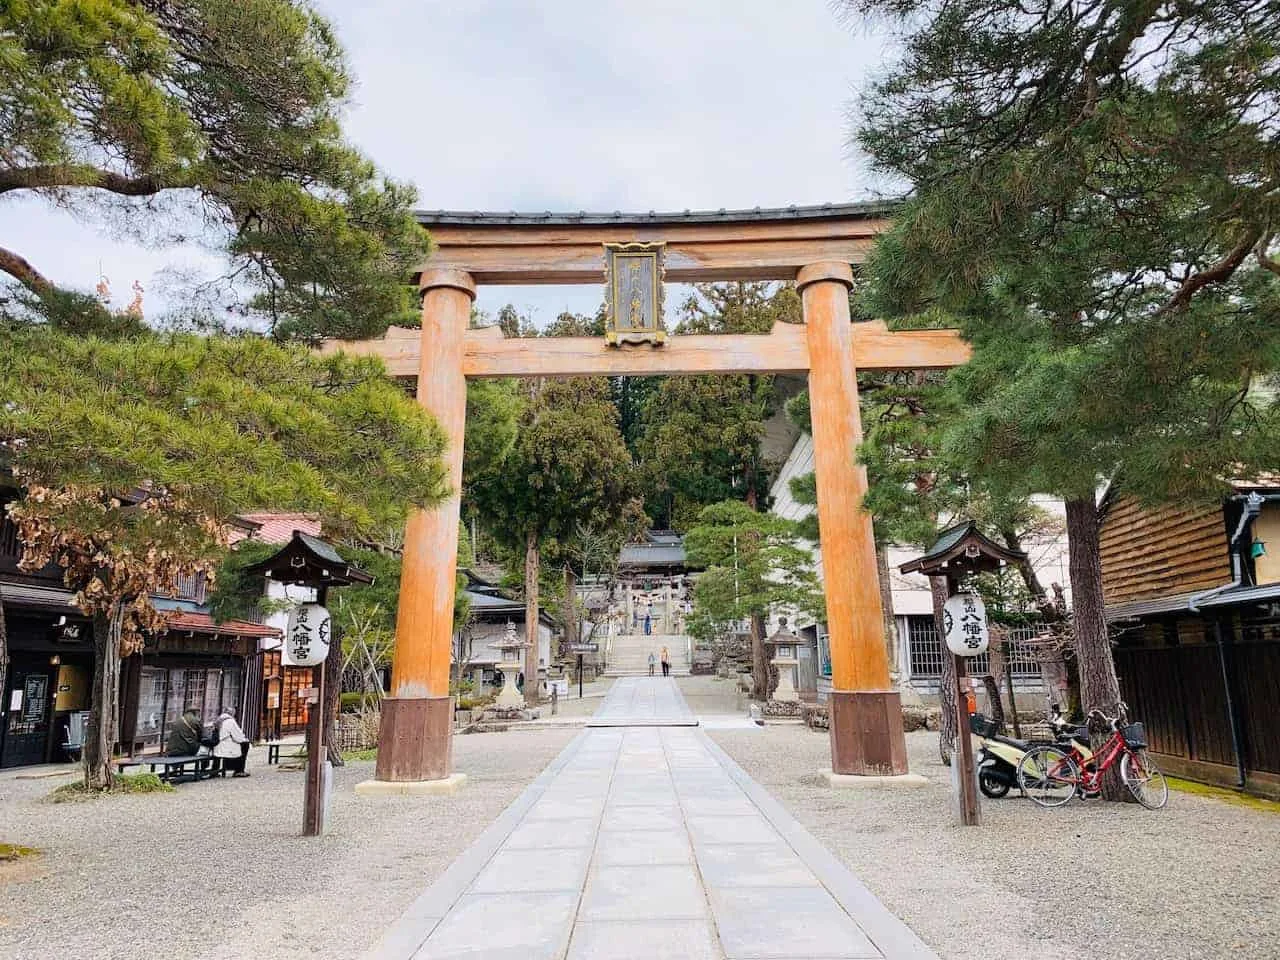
x: 124, y: 783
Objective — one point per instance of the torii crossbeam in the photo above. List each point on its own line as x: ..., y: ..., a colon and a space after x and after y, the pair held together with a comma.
x: 812, y: 246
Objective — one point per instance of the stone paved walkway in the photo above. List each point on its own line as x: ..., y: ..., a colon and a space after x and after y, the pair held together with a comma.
x: 643, y: 701
x: 648, y: 843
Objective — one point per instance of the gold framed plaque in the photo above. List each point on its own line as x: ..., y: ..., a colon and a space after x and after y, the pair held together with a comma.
x: 633, y: 293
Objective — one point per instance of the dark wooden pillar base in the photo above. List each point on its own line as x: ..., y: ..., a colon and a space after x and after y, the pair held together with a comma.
x: 866, y: 733
x: 415, y: 740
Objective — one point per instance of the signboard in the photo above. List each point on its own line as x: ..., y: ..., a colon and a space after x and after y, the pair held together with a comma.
x: 964, y: 625
x: 584, y: 648
x: 306, y: 638
x: 36, y: 695
x: 633, y: 293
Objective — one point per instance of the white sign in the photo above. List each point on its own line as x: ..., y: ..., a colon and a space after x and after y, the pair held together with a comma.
x: 964, y: 625
x: 306, y: 638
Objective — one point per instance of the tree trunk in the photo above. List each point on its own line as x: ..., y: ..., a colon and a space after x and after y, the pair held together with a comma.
x: 4, y: 650
x: 1030, y: 579
x: 886, y: 609
x: 947, y: 690
x: 531, y: 620
x: 570, y: 610
x: 104, y: 712
x: 759, y: 666
x: 1099, y: 688
x: 997, y: 666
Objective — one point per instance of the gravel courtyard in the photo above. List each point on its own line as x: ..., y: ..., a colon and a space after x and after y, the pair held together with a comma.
x: 218, y: 870
x: 1194, y: 881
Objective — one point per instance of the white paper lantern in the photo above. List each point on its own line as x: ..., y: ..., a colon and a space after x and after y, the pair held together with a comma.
x: 306, y: 638
x: 964, y: 625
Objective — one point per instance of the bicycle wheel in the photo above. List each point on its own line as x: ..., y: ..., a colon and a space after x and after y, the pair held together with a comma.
x: 1144, y: 779
x: 1048, y: 775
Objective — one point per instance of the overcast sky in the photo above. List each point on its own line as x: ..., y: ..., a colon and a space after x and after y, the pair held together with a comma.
x: 564, y: 105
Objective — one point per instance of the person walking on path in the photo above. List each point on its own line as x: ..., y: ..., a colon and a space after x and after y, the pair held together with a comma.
x: 666, y: 662
x: 652, y: 660
x: 230, y: 743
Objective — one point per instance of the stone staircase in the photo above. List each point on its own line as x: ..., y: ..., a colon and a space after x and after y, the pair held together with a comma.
x: 629, y: 655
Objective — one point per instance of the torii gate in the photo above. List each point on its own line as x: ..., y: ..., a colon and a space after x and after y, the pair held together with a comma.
x: 812, y: 246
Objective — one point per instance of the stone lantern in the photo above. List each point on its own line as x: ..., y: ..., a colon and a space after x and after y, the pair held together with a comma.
x: 512, y: 662
x: 785, y: 700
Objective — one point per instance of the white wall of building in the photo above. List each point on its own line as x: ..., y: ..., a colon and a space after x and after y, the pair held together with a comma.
x: 911, y: 597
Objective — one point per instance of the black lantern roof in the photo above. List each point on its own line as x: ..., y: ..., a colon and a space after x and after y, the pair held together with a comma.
x: 962, y: 549
x: 311, y: 562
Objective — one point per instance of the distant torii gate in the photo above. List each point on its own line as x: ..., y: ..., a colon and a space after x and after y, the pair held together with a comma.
x: 812, y: 246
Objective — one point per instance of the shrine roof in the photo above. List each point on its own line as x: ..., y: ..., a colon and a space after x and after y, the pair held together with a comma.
x: 825, y: 211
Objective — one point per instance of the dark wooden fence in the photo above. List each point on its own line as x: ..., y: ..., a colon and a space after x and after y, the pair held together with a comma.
x: 1179, y: 693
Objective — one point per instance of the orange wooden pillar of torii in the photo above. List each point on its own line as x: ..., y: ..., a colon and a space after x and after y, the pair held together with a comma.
x: 867, y: 737
x: 415, y: 739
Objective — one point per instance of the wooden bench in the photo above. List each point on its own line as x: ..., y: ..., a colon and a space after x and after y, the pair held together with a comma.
x: 175, y: 768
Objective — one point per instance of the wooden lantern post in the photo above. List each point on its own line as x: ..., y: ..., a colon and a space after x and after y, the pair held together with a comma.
x: 307, y: 561
x: 960, y: 552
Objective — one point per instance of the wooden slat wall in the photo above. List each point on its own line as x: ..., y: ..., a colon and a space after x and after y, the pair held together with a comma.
x: 1159, y: 553
x: 1258, y: 675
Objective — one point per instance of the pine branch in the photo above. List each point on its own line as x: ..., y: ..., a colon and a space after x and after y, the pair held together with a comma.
x: 1220, y: 271
x: 85, y: 175
x: 21, y: 269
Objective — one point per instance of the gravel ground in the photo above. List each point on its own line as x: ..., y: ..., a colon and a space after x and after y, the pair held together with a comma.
x: 1194, y: 881
x: 218, y: 870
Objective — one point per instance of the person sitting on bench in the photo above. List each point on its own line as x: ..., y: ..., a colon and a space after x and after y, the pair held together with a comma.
x: 230, y: 743
x: 184, y: 738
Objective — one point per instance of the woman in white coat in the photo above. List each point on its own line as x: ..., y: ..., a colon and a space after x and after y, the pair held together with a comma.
x: 230, y: 743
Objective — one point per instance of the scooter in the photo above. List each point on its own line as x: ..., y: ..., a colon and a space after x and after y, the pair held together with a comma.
x: 999, y: 755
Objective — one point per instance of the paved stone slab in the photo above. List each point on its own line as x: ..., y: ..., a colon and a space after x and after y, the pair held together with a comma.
x: 527, y: 927
x: 553, y: 834
x: 647, y: 843
x: 751, y: 828
x: 781, y: 923
x: 638, y: 849
x: 644, y: 893
x: 644, y: 819
x: 644, y: 940
x: 534, y: 871
x: 753, y: 865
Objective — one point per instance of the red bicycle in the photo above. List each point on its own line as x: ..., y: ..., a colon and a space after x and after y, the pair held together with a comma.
x: 1051, y: 774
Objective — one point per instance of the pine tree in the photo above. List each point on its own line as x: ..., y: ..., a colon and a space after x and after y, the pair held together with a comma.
x: 568, y: 467
x: 227, y: 115
x: 133, y: 454
x: 1092, y: 203
x: 753, y: 563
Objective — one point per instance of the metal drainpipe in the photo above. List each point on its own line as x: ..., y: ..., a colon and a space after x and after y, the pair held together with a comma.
x: 1232, y: 713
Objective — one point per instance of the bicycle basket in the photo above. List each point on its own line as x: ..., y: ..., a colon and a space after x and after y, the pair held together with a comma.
x: 1135, y: 736
x: 982, y: 726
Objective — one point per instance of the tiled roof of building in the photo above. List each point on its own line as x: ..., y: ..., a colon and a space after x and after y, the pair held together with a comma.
x: 193, y: 622
x: 279, y: 527
x: 825, y: 211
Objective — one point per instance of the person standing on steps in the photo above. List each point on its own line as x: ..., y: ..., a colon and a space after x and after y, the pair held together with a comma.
x: 666, y: 662
x: 652, y: 660
x: 648, y: 623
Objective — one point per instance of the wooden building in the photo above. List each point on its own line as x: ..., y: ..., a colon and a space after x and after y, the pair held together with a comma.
x: 50, y: 659
x: 46, y: 690
x: 1193, y: 597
